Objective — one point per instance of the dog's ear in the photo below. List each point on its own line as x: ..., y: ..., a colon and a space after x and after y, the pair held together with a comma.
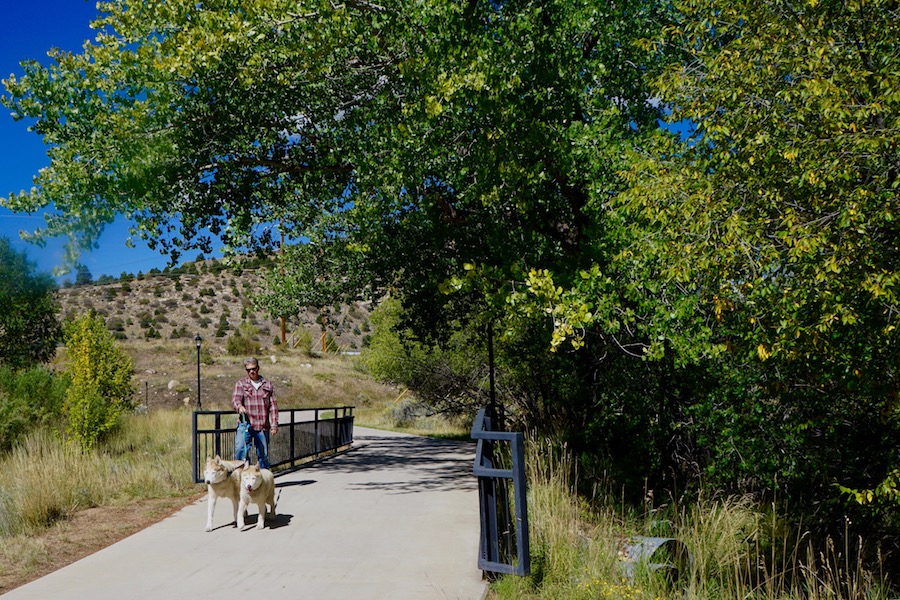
x: 246, y: 464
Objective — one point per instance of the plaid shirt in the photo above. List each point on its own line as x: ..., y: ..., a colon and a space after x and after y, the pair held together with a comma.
x: 259, y: 403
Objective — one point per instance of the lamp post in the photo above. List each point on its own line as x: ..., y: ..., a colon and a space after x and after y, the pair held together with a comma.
x: 197, y: 340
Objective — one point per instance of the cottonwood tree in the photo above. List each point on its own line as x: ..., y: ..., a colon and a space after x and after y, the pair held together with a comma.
x: 775, y: 210
x: 449, y: 142
x: 196, y: 118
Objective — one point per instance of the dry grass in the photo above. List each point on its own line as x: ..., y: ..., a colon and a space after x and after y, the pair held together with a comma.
x: 27, y: 557
x: 166, y: 377
x: 54, y: 480
x: 734, y: 547
x: 187, y: 304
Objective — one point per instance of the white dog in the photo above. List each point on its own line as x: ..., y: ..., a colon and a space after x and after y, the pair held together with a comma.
x: 223, y: 480
x: 257, y: 487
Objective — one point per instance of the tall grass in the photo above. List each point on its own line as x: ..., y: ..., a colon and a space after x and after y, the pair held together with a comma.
x: 738, y: 550
x: 148, y: 456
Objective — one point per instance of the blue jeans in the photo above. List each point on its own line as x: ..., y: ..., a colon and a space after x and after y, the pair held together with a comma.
x: 242, y: 439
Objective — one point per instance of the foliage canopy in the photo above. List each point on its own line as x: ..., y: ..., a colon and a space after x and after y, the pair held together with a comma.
x: 720, y: 293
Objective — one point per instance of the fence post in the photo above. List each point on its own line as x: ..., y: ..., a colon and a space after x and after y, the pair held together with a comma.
x: 316, y: 433
x: 291, y: 446
x: 195, y: 445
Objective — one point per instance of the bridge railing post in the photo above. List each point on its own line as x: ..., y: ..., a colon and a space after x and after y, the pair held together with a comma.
x: 504, y: 544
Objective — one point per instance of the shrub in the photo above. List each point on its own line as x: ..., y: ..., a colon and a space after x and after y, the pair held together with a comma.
x: 238, y: 345
x: 405, y: 412
x: 29, y: 398
x: 331, y: 344
x: 248, y: 329
x: 101, y: 387
x: 115, y: 324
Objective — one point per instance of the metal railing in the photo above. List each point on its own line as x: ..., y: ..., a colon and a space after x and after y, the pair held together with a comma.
x: 303, y: 434
x: 499, y: 466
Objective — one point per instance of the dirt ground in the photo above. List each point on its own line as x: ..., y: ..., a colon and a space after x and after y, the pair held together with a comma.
x: 83, y: 534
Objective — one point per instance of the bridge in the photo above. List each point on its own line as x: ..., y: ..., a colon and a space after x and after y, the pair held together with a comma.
x: 394, y: 518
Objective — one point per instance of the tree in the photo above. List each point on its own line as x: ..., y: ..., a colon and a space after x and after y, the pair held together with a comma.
x: 428, y: 132
x: 101, y: 388
x: 774, y: 211
x: 188, y: 116
x: 450, y: 147
x: 82, y: 275
x: 29, y: 329
x: 782, y: 194
x: 315, y: 274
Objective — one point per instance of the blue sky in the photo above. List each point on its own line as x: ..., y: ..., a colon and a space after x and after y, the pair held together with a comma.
x: 31, y: 28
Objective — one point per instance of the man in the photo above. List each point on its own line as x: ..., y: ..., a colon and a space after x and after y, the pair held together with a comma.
x: 254, y: 399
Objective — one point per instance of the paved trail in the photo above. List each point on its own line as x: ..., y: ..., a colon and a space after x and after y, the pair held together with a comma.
x: 396, y: 518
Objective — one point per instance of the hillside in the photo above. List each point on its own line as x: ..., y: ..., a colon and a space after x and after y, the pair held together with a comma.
x: 157, y: 316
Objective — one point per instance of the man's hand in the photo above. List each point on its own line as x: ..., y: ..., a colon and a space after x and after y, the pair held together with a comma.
x: 273, y: 430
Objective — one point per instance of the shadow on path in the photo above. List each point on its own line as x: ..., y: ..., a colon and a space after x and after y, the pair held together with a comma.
x: 419, y: 464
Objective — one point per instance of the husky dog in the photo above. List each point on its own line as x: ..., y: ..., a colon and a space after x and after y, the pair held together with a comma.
x: 223, y: 480
x: 257, y: 487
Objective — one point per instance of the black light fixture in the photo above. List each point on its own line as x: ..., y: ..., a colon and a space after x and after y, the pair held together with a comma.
x: 197, y: 340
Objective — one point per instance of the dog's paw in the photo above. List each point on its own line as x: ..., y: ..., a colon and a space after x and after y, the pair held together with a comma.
x: 209, y: 527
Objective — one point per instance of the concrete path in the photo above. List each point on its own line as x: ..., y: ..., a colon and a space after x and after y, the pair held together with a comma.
x: 396, y: 518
